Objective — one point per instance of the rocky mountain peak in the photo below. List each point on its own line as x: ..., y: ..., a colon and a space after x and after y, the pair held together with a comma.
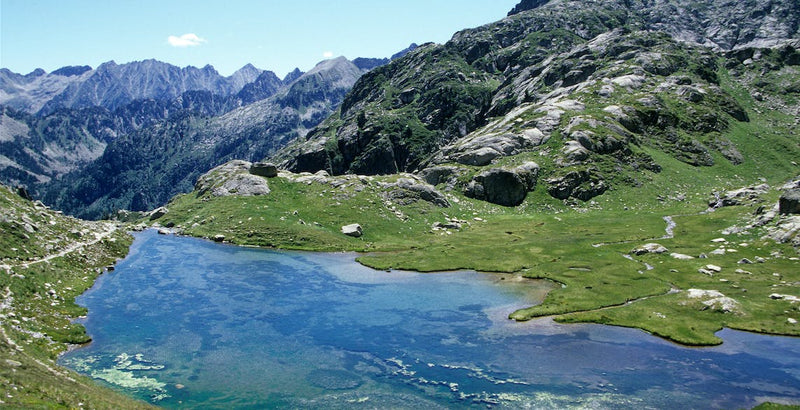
x: 723, y: 24
x: 263, y: 86
x: 339, y: 71
x: 247, y: 70
x: 243, y: 76
x: 36, y: 73
x: 527, y: 5
x: 717, y: 24
x: 107, y: 65
x: 402, y: 53
x: 70, y: 71
x: 294, y: 75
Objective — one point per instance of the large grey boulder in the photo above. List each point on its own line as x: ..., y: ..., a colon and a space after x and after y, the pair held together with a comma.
x: 264, y: 169
x: 789, y: 202
x: 242, y: 185
x: 408, y: 95
x: 498, y: 186
x: 478, y: 157
x: 598, y: 136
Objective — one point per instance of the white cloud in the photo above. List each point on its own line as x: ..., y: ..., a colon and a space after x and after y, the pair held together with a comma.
x: 186, y: 40
x: 327, y: 54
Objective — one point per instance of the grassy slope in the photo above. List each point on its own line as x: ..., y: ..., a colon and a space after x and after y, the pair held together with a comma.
x: 35, y: 325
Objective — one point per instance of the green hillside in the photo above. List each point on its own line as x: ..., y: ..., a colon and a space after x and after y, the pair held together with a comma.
x: 46, y: 260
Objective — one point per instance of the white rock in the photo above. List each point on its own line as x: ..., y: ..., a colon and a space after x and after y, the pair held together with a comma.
x: 681, y: 256
x: 714, y: 299
x: 714, y: 268
x: 572, y: 105
x: 649, y: 248
x: 629, y: 81
x: 701, y: 293
x: 353, y: 230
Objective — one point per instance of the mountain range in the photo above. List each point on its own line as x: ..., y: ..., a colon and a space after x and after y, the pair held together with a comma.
x: 88, y: 141
x: 113, y: 85
x: 588, y: 91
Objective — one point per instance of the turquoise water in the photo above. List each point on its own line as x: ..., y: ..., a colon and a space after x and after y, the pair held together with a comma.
x: 186, y: 323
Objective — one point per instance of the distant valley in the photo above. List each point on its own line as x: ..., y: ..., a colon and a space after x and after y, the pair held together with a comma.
x: 131, y: 136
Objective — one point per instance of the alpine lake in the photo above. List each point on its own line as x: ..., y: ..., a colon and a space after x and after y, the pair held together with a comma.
x: 187, y: 323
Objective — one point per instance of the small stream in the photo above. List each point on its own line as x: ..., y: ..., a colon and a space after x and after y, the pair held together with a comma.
x: 670, y: 229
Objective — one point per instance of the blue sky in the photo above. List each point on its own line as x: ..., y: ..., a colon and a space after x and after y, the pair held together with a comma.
x: 270, y: 34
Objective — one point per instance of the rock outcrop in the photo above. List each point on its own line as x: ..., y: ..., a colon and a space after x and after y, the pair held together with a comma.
x: 441, y: 175
x: 499, y: 186
x: 232, y: 178
x: 264, y: 169
x: 739, y: 196
x: 582, y: 184
x: 789, y: 202
x: 482, y: 149
x: 408, y: 190
x: 714, y: 300
x: 158, y: 213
